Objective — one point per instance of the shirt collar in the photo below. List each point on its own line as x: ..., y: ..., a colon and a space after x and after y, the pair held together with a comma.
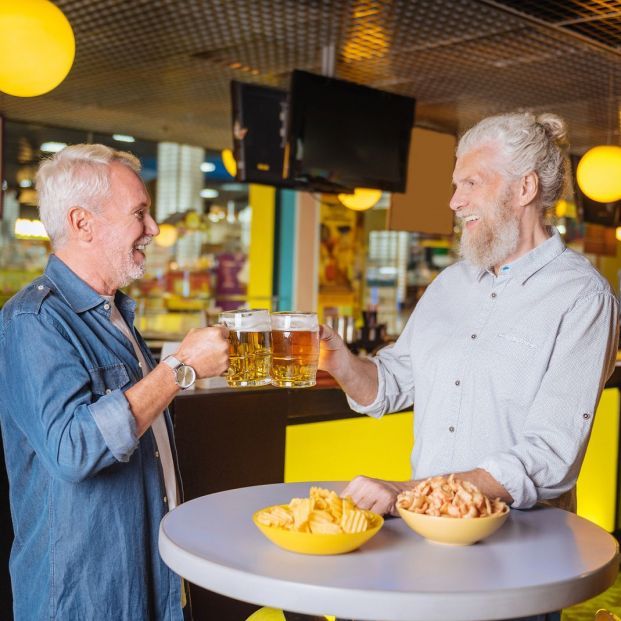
x: 79, y: 294
x: 533, y: 261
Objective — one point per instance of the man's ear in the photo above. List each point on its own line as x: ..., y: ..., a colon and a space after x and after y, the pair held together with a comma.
x: 529, y: 188
x: 80, y: 222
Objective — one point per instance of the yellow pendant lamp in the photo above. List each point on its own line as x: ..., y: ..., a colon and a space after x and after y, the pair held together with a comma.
x: 361, y: 199
x: 599, y: 173
x: 167, y: 236
x: 37, y: 47
x: 230, y: 164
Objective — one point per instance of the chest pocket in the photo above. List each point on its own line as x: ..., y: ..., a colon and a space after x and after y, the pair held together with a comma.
x: 108, y: 378
x: 513, y: 361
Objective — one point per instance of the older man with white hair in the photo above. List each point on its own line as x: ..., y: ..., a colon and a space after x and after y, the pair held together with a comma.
x: 505, y: 356
x: 88, y: 438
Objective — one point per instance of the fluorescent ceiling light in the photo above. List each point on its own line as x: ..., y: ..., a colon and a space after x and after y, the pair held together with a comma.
x: 25, y: 183
x: 208, y: 167
x: 123, y: 138
x: 52, y: 146
x: 209, y: 193
x: 29, y: 229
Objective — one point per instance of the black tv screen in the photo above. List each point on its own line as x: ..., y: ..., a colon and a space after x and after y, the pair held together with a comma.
x: 259, y: 127
x: 342, y: 135
x: 594, y: 212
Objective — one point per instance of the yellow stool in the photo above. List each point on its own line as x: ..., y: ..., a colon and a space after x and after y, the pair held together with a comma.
x: 273, y: 614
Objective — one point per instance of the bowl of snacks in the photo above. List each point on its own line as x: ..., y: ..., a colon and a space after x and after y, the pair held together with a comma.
x: 323, y: 523
x: 450, y: 510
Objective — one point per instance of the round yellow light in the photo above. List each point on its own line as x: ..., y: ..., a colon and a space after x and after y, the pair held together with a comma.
x: 599, y: 173
x: 37, y: 47
x: 618, y: 233
x: 361, y: 199
x: 168, y: 235
x: 230, y: 164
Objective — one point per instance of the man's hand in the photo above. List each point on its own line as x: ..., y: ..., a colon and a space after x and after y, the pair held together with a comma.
x: 356, y: 376
x: 206, y: 350
x: 376, y: 495
x: 333, y: 352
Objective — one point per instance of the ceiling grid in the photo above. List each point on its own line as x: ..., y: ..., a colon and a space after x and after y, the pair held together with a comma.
x: 160, y: 69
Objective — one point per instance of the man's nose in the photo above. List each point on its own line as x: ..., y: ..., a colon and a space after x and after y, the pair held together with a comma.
x: 151, y: 226
x: 456, y: 201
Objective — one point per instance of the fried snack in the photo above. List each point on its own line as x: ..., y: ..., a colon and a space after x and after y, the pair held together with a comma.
x: 449, y: 497
x: 323, y: 512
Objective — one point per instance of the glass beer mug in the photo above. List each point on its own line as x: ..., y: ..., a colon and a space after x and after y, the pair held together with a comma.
x: 295, y: 349
x: 250, y: 347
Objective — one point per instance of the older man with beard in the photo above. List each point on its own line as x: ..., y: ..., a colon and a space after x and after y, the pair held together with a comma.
x: 87, y: 435
x: 505, y: 356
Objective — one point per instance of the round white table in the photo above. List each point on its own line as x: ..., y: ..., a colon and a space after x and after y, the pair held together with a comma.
x: 539, y: 561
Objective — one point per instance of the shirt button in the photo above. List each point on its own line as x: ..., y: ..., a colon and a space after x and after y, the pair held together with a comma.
x: 40, y: 287
x: 108, y: 391
x: 493, y: 295
x: 473, y: 336
x: 586, y: 416
x: 165, y: 500
x: 157, y: 454
x: 140, y: 364
x: 457, y: 382
x: 106, y: 306
x: 451, y: 428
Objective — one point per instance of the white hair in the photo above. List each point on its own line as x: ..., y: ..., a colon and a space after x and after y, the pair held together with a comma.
x: 78, y: 175
x: 528, y: 143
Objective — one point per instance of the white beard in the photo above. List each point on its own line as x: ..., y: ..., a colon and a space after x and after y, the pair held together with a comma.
x: 495, y: 237
x: 125, y: 268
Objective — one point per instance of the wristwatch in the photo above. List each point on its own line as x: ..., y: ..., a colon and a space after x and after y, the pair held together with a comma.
x: 185, y: 375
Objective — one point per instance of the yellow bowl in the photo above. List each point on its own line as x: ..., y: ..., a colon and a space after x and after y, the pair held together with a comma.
x: 309, y: 543
x: 453, y: 531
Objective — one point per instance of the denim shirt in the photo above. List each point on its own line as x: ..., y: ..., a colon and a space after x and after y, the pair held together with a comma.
x: 87, y: 495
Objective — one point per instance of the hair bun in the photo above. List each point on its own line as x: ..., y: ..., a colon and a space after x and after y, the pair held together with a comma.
x: 555, y: 128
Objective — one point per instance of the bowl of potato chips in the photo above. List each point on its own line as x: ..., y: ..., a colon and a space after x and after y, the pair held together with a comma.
x: 449, y: 510
x: 323, y: 523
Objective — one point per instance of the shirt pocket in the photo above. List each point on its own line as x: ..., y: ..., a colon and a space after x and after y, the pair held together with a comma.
x: 106, y: 379
x: 512, y: 361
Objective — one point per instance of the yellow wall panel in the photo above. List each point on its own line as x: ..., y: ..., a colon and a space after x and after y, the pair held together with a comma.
x: 262, y: 201
x: 597, y: 483
x: 341, y: 449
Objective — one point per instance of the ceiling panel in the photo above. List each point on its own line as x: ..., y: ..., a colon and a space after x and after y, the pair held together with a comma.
x: 160, y: 69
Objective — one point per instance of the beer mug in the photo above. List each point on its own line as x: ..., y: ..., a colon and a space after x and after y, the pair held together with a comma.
x: 250, y: 347
x: 295, y: 349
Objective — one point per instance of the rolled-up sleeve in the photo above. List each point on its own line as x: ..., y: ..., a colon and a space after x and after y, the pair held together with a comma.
x: 75, y: 432
x: 546, y: 460
x: 395, y: 377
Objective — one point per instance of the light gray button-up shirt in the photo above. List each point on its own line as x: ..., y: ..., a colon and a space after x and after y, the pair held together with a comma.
x: 505, y: 372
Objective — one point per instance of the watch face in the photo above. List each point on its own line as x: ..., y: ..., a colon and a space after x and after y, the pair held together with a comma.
x: 185, y: 376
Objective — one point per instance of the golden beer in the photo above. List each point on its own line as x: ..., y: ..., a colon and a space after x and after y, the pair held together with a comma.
x: 295, y: 349
x: 250, y: 356
x: 250, y: 347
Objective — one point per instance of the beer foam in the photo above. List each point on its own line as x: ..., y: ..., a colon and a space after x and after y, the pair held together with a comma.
x: 295, y: 322
x: 247, y: 320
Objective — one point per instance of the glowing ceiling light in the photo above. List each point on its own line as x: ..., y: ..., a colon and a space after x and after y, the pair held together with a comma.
x: 228, y: 159
x: 208, y: 167
x: 52, y: 146
x: 123, y: 138
x: 209, y: 193
x: 361, y: 199
x: 599, y: 173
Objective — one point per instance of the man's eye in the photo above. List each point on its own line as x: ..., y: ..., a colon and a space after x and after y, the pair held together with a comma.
x: 140, y: 215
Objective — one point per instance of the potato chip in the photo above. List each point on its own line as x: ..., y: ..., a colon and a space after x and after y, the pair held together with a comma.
x: 323, y: 512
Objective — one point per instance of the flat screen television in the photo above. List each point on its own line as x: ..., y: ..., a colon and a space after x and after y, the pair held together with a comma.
x: 594, y: 212
x: 342, y: 135
x: 259, y: 127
